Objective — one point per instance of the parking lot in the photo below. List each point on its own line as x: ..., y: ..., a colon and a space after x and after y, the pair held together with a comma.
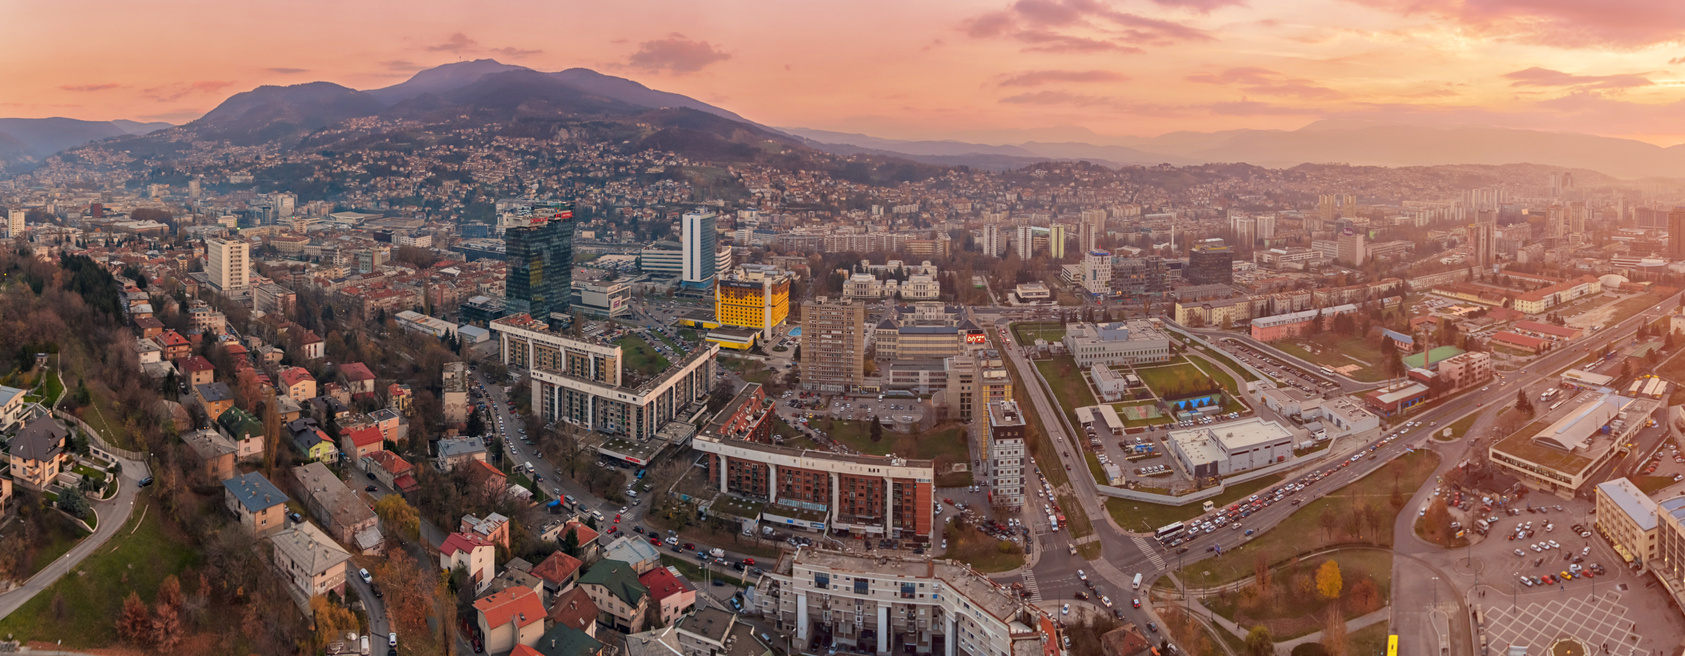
x: 1134, y: 452
x: 1277, y: 368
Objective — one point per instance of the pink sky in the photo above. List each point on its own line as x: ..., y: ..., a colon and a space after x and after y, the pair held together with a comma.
x: 926, y: 69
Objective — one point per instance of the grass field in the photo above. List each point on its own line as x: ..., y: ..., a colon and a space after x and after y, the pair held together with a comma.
x: 1132, y: 423
x: 1338, y: 352
x: 1142, y: 516
x: 1175, y: 379
x: 1227, y: 361
x: 1457, y: 429
x: 1291, y: 615
x: 981, y: 552
x: 1303, y: 531
x: 60, y: 537
x: 93, y: 596
x: 640, y: 357
x: 1027, y: 333
x: 1070, y: 389
x: 1222, y: 377
x: 946, y: 443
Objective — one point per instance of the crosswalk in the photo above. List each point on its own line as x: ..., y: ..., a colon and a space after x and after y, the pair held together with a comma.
x: 1150, y: 548
x: 1030, y: 584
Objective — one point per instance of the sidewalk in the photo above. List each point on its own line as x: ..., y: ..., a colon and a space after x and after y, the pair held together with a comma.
x: 1352, y: 625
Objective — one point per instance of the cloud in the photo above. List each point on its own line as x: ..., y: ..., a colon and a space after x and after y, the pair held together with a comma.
x: 515, y: 52
x: 1544, y: 77
x: 288, y: 71
x: 90, y: 87
x: 457, y: 42
x: 1202, y: 6
x: 1255, y: 80
x: 174, y: 92
x: 1676, y: 60
x: 675, y: 54
x: 1084, y: 26
x: 1057, y: 98
x: 1573, y: 24
x: 1038, y: 78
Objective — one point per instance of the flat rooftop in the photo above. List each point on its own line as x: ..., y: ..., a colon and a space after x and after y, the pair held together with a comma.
x: 1632, y: 501
x: 994, y: 599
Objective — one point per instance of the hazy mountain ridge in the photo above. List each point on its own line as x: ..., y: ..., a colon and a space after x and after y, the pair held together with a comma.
x: 1359, y: 143
x: 26, y: 140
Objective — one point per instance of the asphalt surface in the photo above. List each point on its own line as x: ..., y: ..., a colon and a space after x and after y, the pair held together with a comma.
x: 113, y: 516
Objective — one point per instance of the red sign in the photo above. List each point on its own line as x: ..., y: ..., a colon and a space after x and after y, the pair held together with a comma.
x: 976, y: 338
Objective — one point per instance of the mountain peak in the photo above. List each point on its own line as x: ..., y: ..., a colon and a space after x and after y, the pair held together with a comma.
x: 441, y: 79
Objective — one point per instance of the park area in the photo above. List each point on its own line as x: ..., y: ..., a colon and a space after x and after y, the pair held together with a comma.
x: 1362, y: 512
x: 946, y: 444
x: 1293, y: 599
x: 640, y: 357
x: 1028, y: 333
x: 983, y: 553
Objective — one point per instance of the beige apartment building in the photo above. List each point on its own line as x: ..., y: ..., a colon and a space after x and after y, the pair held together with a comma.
x: 833, y: 345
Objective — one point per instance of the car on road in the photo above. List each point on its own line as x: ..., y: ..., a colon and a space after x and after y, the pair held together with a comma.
x: 1136, y: 602
x: 1065, y: 609
x: 364, y: 575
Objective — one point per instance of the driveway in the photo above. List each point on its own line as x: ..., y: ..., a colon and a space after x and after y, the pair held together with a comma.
x: 113, y: 515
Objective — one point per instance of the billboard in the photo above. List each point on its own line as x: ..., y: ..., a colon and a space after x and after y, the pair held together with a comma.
x: 976, y: 338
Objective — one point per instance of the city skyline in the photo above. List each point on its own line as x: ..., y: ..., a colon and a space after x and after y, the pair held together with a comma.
x: 994, y: 72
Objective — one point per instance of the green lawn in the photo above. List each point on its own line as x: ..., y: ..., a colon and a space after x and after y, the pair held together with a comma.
x: 1224, y: 358
x: 1650, y: 484
x: 51, y: 387
x: 1223, y: 378
x: 60, y: 537
x: 1336, y: 352
x: 1173, y: 380
x: 89, y: 473
x: 1371, y: 639
x: 521, y: 479
x: 1289, y: 615
x: 640, y: 357
x: 980, y: 551
x: 93, y: 594
x: 1457, y: 429
x: 688, y: 335
x: 1070, y: 389
x: 1027, y: 332
x: 946, y: 443
x: 1142, y: 516
x: 1303, y: 530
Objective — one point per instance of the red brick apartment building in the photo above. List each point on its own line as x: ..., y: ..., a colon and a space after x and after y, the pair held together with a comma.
x: 819, y: 490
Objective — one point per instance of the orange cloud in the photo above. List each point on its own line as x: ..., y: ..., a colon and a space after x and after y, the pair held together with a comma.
x: 675, y: 54
x: 1621, y: 24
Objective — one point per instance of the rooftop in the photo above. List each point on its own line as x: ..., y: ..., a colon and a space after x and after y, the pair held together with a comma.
x: 1639, y: 508
x: 517, y: 605
x: 254, y: 492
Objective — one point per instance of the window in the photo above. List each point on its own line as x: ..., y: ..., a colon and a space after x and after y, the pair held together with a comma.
x: 862, y: 586
x: 907, y: 590
x: 822, y: 580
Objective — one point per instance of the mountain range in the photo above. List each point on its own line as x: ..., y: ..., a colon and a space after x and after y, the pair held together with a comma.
x: 485, y: 90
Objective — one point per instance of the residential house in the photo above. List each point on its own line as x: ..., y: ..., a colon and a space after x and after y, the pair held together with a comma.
x: 311, y: 562
x: 287, y: 408
x: 358, y: 442
x: 358, y: 379
x: 559, y: 572
x: 575, y: 609
x: 635, y: 551
x: 11, y: 406
x: 621, y: 600
x: 388, y: 468
x: 475, y: 556
x: 175, y: 346
x: 457, y: 451
x: 567, y: 641
x: 260, y: 506
x: 297, y: 383
x: 485, y: 479
x: 494, y: 528
x: 511, y: 577
x: 325, y: 407
x: 340, y: 511
x: 509, y: 618
x: 245, y: 432
x: 311, y: 346
x: 215, y: 397
x: 589, y: 549
x: 673, y: 595
x: 214, y: 452
x: 392, y: 425
x: 313, y: 444
x: 398, y: 397
x: 38, y: 453
x: 716, y: 632
x: 198, y: 371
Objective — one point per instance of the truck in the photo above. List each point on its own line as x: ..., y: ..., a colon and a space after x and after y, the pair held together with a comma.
x: 716, y: 552
x: 1136, y: 584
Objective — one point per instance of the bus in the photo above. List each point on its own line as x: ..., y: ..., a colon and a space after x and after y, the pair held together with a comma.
x: 1169, y: 531
x: 1558, y: 404
x: 1392, y: 645
x: 1549, y: 394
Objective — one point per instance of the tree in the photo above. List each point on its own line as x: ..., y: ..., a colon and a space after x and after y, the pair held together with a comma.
x: 398, y: 516
x: 1259, y: 642
x: 72, y: 501
x: 1334, y: 632
x: 332, y: 620
x: 1261, y: 572
x: 134, y: 623
x: 1522, y: 403
x: 570, y: 542
x: 1328, y: 582
x: 652, y: 616
x: 877, y: 430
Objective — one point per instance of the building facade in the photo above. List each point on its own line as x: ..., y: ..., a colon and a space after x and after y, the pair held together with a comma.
x: 753, y: 296
x: 1121, y: 343
x: 228, y: 264
x: 1005, y: 455
x: 539, y: 251
x: 833, y: 345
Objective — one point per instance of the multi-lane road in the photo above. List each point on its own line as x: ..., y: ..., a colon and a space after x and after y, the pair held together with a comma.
x: 1127, y: 553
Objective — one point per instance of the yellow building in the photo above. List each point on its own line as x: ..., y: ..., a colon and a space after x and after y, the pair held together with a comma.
x: 752, y: 296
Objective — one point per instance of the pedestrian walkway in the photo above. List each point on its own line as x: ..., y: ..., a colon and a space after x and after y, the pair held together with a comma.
x: 1352, y: 625
x: 1150, y: 547
x: 1030, y: 584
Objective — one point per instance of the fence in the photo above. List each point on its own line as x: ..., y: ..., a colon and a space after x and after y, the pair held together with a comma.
x: 97, y: 440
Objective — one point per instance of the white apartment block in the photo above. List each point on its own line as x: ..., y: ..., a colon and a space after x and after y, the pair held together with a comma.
x: 228, y: 263
x: 891, y: 605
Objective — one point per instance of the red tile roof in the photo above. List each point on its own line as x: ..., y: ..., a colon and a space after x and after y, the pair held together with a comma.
x: 197, y: 363
x: 663, y: 584
x: 523, y: 650
x: 574, y: 609
x: 365, y: 436
x: 559, y: 568
x: 295, y: 375
x: 391, y: 462
x: 356, y: 371
x: 406, y: 483
x: 172, y: 338
x: 518, y: 604
x: 456, y: 542
x: 585, y: 533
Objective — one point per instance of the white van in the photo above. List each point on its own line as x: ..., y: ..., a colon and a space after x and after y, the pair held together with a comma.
x: 1136, y: 585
